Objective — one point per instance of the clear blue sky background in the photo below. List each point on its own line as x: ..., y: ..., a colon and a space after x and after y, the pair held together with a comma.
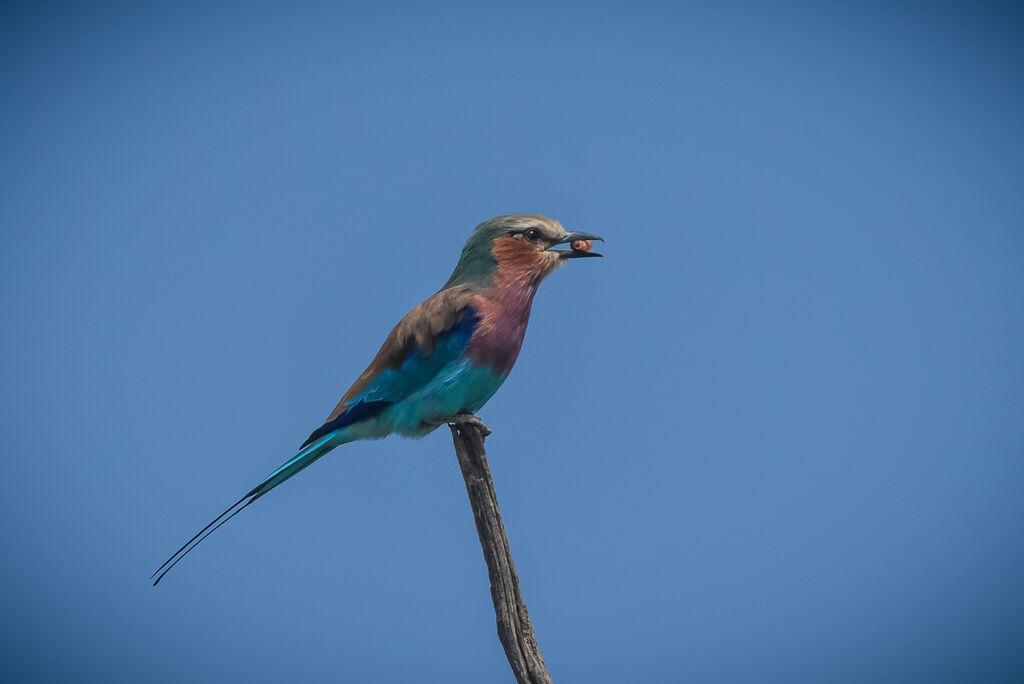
x: 775, y: 436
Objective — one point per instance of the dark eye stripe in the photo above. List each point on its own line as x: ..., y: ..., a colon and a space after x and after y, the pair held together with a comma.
x: 531, y: 234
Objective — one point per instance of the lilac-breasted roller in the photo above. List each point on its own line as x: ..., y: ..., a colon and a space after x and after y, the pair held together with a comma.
x: 446, y: 358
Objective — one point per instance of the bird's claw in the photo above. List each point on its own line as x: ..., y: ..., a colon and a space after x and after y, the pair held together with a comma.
x: 470, y: 419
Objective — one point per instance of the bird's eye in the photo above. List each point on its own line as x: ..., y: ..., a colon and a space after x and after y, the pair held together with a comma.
x: 533, y: 235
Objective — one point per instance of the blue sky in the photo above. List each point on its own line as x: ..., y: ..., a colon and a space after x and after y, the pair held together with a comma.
x: 775, y: 436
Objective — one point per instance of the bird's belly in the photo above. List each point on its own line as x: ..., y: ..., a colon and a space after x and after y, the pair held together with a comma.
x: 461, y: 386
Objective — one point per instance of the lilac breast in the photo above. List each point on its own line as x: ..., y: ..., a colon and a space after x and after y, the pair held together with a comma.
x: 499, y: 336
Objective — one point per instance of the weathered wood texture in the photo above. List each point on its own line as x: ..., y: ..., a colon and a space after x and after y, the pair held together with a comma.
x: 514, y: 628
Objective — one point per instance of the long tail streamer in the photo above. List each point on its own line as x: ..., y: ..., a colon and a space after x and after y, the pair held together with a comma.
x: 302, y: 459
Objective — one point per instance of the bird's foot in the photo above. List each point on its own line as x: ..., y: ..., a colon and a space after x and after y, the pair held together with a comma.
x: 470, y: 419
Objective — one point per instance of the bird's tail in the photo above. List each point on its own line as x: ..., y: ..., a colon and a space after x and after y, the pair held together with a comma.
x: 305, y: 457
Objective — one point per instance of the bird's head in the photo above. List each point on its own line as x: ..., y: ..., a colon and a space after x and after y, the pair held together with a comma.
x: 519, y: 245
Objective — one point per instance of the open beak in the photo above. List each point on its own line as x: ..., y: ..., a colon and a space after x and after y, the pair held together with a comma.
x: 576, y: 253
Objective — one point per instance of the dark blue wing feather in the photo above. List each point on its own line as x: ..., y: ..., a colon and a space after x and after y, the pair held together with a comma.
x: 416, y: 370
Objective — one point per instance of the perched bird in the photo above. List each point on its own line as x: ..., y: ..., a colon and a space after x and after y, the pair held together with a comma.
x: 446, y: 357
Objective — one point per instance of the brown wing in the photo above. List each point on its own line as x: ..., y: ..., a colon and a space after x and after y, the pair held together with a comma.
x: 421, y: 326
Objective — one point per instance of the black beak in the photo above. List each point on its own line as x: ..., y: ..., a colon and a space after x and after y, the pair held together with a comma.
x: 577, y: 253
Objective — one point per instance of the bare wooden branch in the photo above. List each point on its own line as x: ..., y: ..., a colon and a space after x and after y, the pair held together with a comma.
x: 514, y: 627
